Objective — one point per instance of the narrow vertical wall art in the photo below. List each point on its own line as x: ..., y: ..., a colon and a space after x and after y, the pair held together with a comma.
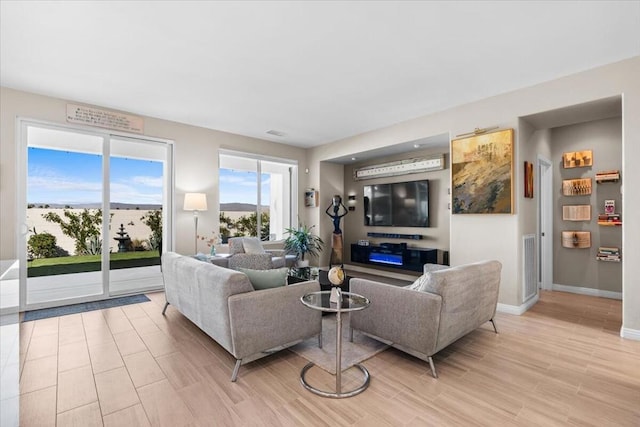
x: 528, y: 180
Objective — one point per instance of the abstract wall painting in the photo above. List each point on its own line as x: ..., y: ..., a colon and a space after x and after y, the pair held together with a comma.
x: 482, y: 173
x: 528, y: 180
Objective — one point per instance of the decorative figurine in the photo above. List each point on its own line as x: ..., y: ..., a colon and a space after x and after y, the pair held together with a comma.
x: 336, y: 240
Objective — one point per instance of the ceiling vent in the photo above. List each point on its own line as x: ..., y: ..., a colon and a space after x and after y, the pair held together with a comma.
x: 276, y: 132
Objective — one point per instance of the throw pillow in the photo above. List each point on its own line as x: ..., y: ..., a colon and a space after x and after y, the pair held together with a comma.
x: 434, y: 267
x: 252, y: 246
x: 419, y: 283
x: 265, y: 279
x: 432, y: 283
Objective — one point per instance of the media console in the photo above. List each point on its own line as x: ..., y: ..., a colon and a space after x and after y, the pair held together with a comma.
x: 395, y: 255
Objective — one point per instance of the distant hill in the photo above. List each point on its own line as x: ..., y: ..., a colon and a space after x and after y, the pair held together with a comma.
x: 143, y: 207
x: 224, y: 207
x: 240, y: 207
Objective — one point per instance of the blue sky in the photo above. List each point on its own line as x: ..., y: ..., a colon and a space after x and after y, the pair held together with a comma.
x: 241, y: 187
x: 69, y: 178
x: 64, y: 177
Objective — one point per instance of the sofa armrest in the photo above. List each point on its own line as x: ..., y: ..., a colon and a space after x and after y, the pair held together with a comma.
x: 398, y: 315
x: 276, y: 252
x: 263, y: 320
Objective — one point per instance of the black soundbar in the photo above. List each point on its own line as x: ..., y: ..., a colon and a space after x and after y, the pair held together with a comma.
x: 396, y: 236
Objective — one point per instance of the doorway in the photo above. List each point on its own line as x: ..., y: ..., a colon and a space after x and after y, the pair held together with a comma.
x: 94, y: 211
x: 545, y: 223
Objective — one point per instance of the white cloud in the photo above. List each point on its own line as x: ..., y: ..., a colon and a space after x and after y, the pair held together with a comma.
x: 149, y: 181
x: 57, y: 183
x: 123, y: 193
x: 237, y: 180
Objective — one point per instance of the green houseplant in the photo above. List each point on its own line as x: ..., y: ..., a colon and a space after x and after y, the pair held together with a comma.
x: 302, y: 241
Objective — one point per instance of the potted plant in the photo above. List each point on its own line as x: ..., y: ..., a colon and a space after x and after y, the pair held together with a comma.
x: 302, y: 241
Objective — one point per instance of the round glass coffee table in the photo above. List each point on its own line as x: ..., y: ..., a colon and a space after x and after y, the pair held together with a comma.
x: 350, y: 302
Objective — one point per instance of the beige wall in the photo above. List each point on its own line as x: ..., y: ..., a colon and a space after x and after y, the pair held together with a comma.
x: 475, y: 237
x: 195, y: 154
x: 579, y: 267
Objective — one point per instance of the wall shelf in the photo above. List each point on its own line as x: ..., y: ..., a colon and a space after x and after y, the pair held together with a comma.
x: 576, y: 187
x: 576, y: 239
x: 607, y: 176
x: 576, y: 213
x: 608, y: 254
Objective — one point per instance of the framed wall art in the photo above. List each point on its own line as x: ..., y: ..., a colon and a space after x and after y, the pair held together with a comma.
x: 577, y: 159
x: 528, y: 180
x: 310, y: 198
x: 482, y: 173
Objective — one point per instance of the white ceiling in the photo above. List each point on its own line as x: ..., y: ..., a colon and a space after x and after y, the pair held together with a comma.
x: 316, y: 71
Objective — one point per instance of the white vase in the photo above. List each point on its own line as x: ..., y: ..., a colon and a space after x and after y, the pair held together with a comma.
x: 303, y: 263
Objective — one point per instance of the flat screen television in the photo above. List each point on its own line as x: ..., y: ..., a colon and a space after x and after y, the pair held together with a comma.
x: 399, y: 204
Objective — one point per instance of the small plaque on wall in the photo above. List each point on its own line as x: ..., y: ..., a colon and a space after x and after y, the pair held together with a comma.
x: 576, y: 212
x: 576, y: 239
x: 104, y: 118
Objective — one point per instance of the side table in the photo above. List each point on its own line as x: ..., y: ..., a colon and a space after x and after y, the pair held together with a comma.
x: 220, y: 260
x: 350, y: 302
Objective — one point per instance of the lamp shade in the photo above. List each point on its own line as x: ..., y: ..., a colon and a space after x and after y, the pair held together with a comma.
x: 195, y: 202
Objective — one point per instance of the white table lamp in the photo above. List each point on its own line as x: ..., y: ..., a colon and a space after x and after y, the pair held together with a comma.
x: 195, y: 202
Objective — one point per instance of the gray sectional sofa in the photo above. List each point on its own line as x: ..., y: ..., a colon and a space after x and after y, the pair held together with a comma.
x: 249, y: 324
x: 438, y: 309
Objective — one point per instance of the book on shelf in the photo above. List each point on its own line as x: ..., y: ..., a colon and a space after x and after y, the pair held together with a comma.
x: 609, y: 249
x: 608, y: 253
x: 609, y: 219
x: 601, y: 258
x: 610, y: 207
x: 612, y: 175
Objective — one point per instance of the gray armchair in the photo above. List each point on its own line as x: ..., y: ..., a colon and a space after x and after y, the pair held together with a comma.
x: 449, y: 303
x: 247, y: 252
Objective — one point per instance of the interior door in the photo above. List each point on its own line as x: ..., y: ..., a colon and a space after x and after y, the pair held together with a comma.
x: 545, y: 223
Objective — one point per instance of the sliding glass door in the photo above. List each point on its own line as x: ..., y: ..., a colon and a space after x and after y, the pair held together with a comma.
x: 137, y: 191
x: 94, y: 222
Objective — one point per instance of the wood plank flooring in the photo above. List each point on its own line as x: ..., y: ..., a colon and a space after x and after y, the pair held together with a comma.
x: 561, y: 363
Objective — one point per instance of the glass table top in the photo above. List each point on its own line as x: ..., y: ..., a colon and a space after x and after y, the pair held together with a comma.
x: 320, y: 301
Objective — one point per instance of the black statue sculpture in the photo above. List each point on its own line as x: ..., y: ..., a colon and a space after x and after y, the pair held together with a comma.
x: 336, y: 240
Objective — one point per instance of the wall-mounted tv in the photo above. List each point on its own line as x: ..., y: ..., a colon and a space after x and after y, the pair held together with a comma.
x: 399, y: 204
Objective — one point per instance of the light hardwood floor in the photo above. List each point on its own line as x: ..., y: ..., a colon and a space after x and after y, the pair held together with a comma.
x: 561, y: 363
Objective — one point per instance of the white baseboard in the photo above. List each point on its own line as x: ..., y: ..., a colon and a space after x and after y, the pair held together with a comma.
x: 587, y: 291
x: 517, y: 309
x: 630, y: 334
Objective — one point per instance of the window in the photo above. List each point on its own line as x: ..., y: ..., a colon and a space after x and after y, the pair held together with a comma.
x: 257, y: 195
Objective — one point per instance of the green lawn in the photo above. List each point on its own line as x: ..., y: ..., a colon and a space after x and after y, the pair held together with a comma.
x: 86, y: 263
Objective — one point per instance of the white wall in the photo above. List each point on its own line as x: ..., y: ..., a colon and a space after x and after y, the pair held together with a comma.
x: 475, y: 237
x: 196, y: 162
